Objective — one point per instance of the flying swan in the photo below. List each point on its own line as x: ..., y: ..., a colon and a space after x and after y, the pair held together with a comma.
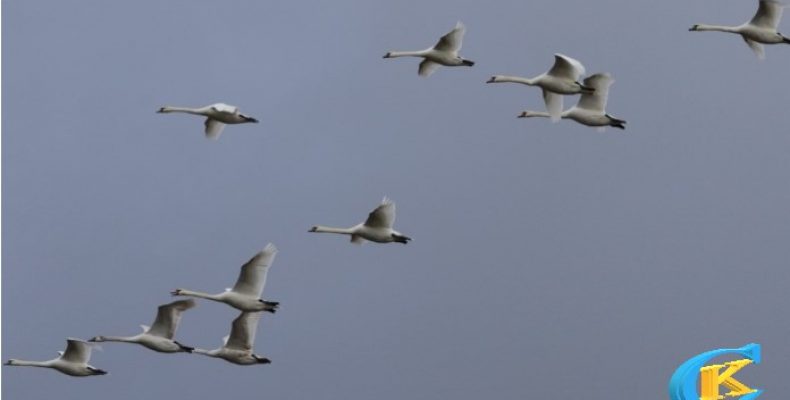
x: 246, y: 294
x: 73, y: 361
x: 445, y: 52
x: 762, y: 29
x: 217, y: 115
x: 561, y: 79
x: 159, y: 336
x: 237, y: 347
x: 377, y: 228
x: 591, y: 108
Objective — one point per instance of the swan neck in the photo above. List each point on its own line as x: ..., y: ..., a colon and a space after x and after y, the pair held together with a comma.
x: 419, y: 53
x: 538, y: 114
x: 124, y: 339
x: 181, y: 110
x: 717, y: 28
x: 515, y: 79
x: 199, y: 294
x: 327, y: 229
x: 23, y: 363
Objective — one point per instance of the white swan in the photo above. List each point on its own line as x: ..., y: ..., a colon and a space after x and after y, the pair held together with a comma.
x: 377, y: 228
x: 217, y: 115
x: 237, y: 347
x: 158, y: 337
x: 762, y: 29
x: 246, y: 294
x: 74, y: 361
x: 591, y: 108
x: 561, y: 79
x: 445, y: 52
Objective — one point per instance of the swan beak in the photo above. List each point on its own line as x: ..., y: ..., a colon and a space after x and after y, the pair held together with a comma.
x: 491, y: 80
x: 388, y: 55
x: 522, y: 115
x: 160, y: 110
x: 313, y: 229
x: 693, y: 28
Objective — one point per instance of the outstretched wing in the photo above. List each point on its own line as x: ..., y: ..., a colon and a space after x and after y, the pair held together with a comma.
x: 566, y: 67
x: 596, y: 101
x: 553, y: 104
x: 383, y: 216
x: 757, y: 48
x: 225, y: 108
x: 769, y: 13
x: 213, y: 128
x: 77, y: 351
x: 168, y: 316
x: 452, y: 41
x: 427, y: 67
x: 253, y: 274
x: 242, y: 332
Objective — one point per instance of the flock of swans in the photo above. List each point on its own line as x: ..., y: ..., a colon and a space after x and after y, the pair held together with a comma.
x: 245, y: 296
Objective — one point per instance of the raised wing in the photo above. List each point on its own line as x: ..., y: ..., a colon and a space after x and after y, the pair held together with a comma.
x: 427, y: 67
x: 596, y: 101
x: 553, y: 104
x: 769, y: 13
x: 452, y: 40
x: 77, y: 351
x: 168, y: 316
x: 253, y: 274
x: 242, y: 332
x: 213, y: 128
x: 566, y: 67
x: 383, y: 216
x: 757, y: 48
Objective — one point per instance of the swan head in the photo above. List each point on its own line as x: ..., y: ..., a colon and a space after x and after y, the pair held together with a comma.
x: 10, y: 362
x: 493, y: 79
x: 162, y: 110
x: 526, y: 114
x: 176, y: 292
x: 388, y: 55
x: 313, y: 229
x: 695, y: 27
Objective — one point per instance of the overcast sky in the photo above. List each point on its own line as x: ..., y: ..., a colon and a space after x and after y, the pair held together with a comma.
x: 549, y: 261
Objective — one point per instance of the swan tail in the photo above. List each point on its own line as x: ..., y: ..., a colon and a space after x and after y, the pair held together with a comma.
x: 186, y: 349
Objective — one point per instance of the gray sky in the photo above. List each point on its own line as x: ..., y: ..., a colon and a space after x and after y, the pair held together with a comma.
x: 548, y: 261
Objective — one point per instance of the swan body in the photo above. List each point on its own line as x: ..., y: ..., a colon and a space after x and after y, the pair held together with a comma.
x: 73, y: 361
x: 377, y: 228
x: 561, y: 79
x: 246, y: 294
x: 761, y: 29
x: 217, y: 115
x: 591, y: 108
x: 445, y: 52
x: 158, y: 337
x: 237, y: 347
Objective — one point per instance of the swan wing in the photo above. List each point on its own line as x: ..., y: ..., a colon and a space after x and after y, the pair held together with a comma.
x: 452, y: 41
x: 596, y: 101
x: 769, y: 13
x: 77, y: 351
x: 356, y: 239
x: 224, y: 108
x: 757, y: 48
x: 168, y: 316
x: 253, y: 273
x: 213, y: 128
x: 242, y: 332
x: 427, y: 67
x: 553, y: 104
x: 566, y: 67
x: 383, y: 216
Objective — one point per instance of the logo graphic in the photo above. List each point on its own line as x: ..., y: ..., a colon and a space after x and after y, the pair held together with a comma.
x: 683, y: 384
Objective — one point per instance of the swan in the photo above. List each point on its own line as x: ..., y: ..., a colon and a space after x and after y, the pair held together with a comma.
x: 561, y: 79
x: 591, y: 108
x: 237, y: 347
x: 217, y: 115
x: 73, y: 361
x: 377, y: 228
x: 762, y: 29
x: 158, y: 337
x: 445, y: 52
x: 246, y: 294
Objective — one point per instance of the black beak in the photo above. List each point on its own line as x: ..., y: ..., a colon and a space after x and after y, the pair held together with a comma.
x: 161, y: 110
x: 387, y: 55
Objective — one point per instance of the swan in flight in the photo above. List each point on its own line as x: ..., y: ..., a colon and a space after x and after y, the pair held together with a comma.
x: 445, y: 52
x: 591, y: 108
x: 377, y: 228
x: 158, y: 337
x: 237, y: 347
x: 762, y: 29
x: 217, y: 115
x: 73, y: 361
x: 246, y: 294
x: 561, y: 79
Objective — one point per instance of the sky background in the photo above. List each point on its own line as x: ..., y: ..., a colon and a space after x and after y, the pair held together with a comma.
x: 548, y: 260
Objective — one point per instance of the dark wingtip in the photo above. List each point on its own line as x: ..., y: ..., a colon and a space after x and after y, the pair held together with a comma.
x: 468, y: 63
